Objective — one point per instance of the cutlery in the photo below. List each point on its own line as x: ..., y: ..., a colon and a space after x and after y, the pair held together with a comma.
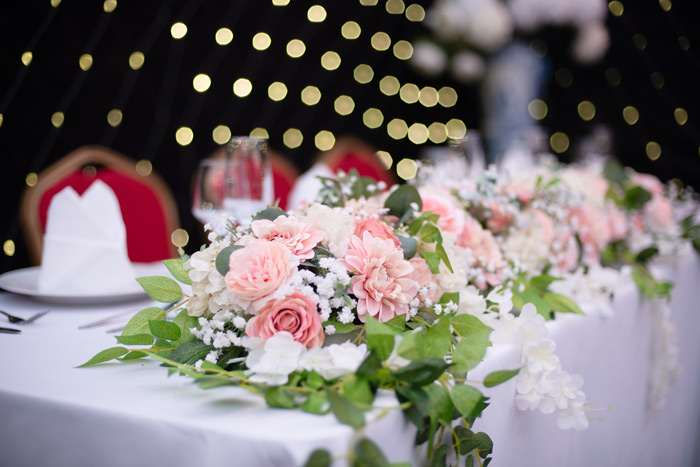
x: 17, y: 320
x: 9, y: 331
x: 108, y: 319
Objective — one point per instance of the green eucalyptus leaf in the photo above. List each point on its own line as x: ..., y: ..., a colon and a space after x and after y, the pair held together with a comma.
x: 409, y: 347
x: 316, y: 403
x: 190, y: 352
x: 429, y: 233
x: 358, y: 390
x: 409, y: 245
x: 340, y: 328
x: 470, y: 441
x: 442, y: 254
x: 646, y: 255
x: 313, y: 380
x: 380, y: 337
x: 133, y: 356
x: 470, y: 327
x: 433, y: 260
x: 277, y: 396
x: 222, y: 259
x: 468, y: 400
x: 441, y: 408
x: 543, y: 281
x: 185, y: 323
x: 269, y: 214
x: 562, y: 304
x: 397, y: 324
x: 177, y: 269
x: 440, y: 456
x: 635, y: 198
x: 498, y: 377
x: 470, y: 350
x: 346, y: 411
x: 138, y: 324
x: 369, y: 455
x: 615, y: 172
x: 422, y: 372
x: 370, y: 366
x: 319, y: 458
x: 105, y: 356
x: 696, y: 244
x: 450, y: 297
x: 165, y: 329
x: 419, y: 409
x: 136, y: 339
x: 161, y: 289
x: 400, y: 200
x: 436, y: 341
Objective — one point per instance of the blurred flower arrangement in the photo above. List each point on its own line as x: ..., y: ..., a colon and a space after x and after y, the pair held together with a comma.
x: 465, y: 32
x: 363, y: 291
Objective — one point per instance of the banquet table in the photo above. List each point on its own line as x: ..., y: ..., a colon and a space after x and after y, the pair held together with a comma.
x: 118, y: 414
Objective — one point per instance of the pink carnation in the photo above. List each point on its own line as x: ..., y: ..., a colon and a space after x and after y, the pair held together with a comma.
x: 257, y: 270
x: 424, y: 277
x: 299, y: 237
x: 442, y: 203
x: 377, y: 229
x: 484, y: 249
x: 383, y: 284
x: 295, y: 314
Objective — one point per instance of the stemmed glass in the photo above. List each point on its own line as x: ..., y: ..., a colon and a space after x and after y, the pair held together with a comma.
x: 209, y: 193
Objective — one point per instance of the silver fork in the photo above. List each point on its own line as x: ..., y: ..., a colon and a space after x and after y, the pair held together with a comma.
x: 17, y: 320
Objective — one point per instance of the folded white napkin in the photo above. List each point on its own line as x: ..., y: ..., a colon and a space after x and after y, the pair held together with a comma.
x: 85, y: 243
x: 308, y: 185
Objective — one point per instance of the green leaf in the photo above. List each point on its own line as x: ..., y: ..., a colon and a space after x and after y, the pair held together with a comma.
x: 450, y: 297
x: 316, y: 403
x: 277, y: 397
x: 435, y: 342
x: 165, y: 330
x: 397, y: 324
x: 409, y: 245
x: 696, y: 244
x: 441, y: 408
x: 319, y: 458
x: 467, y: 400
x: 177, y: 269
x: 138, y: 324
x: 422, y: 372
x: 498, y: 377
x: 470, y: 327
x: 433, y: 260
x: 380, y: 337
x: 368, y: 454
x: 357, y: 389
x: 222, y: 259
x: 635, y: 198
x: 185, y: 323
x: 345, y: 410
x: 615, y: 172
x: 468, y: 353
x: 161, y: 289
x: 340, y: 328
x: 442, y: 254
x: 645, y: 255
x: 440, y: 456
x: 468, y: 441
x: 269, y: 214
x: 562, y: 304
x: 190, y: 352
x: 429, y: 233
x: 133, y: 356
x: 543, y: 281
x: 105, y: 356
x: 401, y: 199
x: 370, y: 366
x: 419, y: 409
x: 136, y: 339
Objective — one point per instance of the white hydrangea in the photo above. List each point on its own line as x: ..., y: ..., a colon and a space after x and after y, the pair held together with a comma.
x: 337, y: 224
x: 271, y: 361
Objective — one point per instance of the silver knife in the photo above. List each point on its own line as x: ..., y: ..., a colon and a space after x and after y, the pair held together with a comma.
x: 9, y: 331
x: 35, y: 317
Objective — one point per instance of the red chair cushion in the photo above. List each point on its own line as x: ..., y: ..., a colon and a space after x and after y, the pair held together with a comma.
x: 147, y: 238
x: 365, y: 165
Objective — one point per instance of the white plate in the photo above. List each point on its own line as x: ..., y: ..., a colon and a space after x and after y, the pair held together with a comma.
x: 25, y: 282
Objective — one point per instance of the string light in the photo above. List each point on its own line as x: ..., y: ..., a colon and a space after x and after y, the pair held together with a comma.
x: 310, y: 95
x: 223, y: 36
x: 180, y: 238
x: 389, y: 85
x: 144, y: 167
x: 559, y: 142
x: 178, y: 30
x: 324, y: 140
x: 385, y: 158
x: 381, y: 41
x: 437, y: 132
x: 184, y: 136
x: 136, y: 60
x: 221, y: 134
x: 373, y: 118
x: 630, y: 114
x: 8, y: 247
x: 277, y: 91
x: 31, y: 179
x: 665, y: 5
x: 85, y: 62
x: 397, y: 128
x: 586, y: 110
x: 537, y: 109
x: 330, y: 60
x: 344, y: 105
x: 55, y: 3
x: 403, y: 50
x: 395, y: 7
x: 114, y: 117
x: 418, y: 133
x: 351, y: 30
x: 201, y: 82
x: 280, y: 2
x: 368, y: 2
x: 616, y: 8
x: 456, y: 129
x: 447, y: 97
x: 316, y: 14
x: 407, y: 169
x: 1, y: 119
x: 428, y: 96
x: 292, y: 138
x: 295, y: 48
x: 653, y: 150
x: 409, y: 93
x: 109, y: 5
x: 57, y: 119
x: 415, y: 13
x: 680, y: 115
x: 261, y: 41
x: 363, y: 74
x: 242, y: 87
x: 27, y: 58
x: 259, y: 133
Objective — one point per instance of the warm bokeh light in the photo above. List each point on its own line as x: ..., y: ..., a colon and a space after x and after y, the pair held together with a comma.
x: 403, y: 50
x: 57, y: 119
x: 109, y: 5
x: 27, y: 58
x: 296, y: 48
x: 114, y: 117
x: 363, y: 74
x: 259, y: 133
x: 316, y: 14
x: 201, y: 82
x: 418, y: 133
x: 221, y: 134
x: 292, y: 138
x: 653, y: 150
x: 31, y: 179
x: 437, y: 132
x: 178, y: 30
x: 330, y: 60
x: 559, y: 142
x: 456, y: 129
x: 277, y: 91
x: 681, y: 116
x: 586, y: 110
x: 351, y: 30
x: 261, y: 41
x: 537, y: 108
x: 310, y: 95
x: 324, y: 140
x: 184, y: 136
x: 180, y: 238
x: 385, y: 158
x: 395, y: 7
x: 136, y: 60
x: 406, y: 169
x: 397, y: 128
x: 144, y: 167
x: 373, y: 118
x: 224, y: 36
x: 381, y: 41
x: 415, y: 13
x: 344, y: 105
x: 409, y: 93
x: 447, y: 96
x: 428, y: 96
x: 630, y: 114
x: 8, y: 247
x: 242, y: 87
x: 85, y: 62
x: 389, y: 85
x: 616, y: 8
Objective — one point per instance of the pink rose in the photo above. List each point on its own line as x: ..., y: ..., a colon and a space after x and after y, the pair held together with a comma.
x: 660, y: 211
x: 445, y: 205
x: 295, y: 314
x: 299, y: 237
x: 617, y: 223
x: 383, y: 284
x: 424, y: 277
x: 484, y: 250
x: 377, y: 229
x: 498, y: 220
x: 257, y: 270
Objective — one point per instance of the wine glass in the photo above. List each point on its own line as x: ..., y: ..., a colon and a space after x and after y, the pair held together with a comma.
x: 209, y: 192
x: 249, y: 186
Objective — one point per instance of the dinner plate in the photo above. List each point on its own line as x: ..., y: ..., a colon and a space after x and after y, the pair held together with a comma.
x: 25, y: 282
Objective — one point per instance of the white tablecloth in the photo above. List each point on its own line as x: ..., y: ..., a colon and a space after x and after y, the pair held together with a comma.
x: 52, y: 414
